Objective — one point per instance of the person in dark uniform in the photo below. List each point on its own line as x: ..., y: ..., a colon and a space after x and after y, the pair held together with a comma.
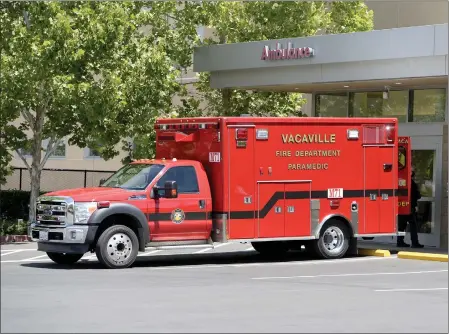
x: 411, y: 218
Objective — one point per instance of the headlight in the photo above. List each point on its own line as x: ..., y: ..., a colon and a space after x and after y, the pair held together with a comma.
x: 83, y: 211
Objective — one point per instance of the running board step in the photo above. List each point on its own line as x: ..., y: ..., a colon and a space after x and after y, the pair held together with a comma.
x: 181, y: 244
x: 178, y: 247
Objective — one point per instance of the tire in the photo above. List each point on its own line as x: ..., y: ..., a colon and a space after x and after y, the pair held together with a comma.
x: 64, y: 258
x: 334, y: 240
x: 270, y: 248
x: 117, y: 247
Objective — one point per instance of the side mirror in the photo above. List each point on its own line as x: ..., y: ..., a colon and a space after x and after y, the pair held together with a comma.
x: 171, y: 189
x: 102, y: 181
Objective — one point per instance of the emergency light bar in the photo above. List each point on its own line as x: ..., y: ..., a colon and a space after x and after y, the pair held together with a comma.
x: 186, y: 126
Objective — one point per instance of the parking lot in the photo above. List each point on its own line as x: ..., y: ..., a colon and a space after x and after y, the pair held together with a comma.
x: 227, y: 289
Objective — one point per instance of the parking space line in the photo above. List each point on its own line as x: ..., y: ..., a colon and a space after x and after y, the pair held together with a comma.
x: 208, y: 249
x: 21, y: 249
x: 89, y: 257
x: 12, y: 252
x: 33, y: 259
x: 267, y: 264
x: 355, y: 274
x: 150, y: 252
x: 36, y: 257
x: 401, y: 290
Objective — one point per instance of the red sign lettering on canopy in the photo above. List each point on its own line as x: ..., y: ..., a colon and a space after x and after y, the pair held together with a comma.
x: 286, y: 53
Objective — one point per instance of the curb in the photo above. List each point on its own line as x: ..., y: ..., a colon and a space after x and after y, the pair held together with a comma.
x: 14, y: 238
x: 423, y: 256
x: 374, y: 252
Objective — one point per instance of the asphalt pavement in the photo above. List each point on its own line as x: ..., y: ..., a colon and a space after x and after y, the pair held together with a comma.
x: 228, y: 289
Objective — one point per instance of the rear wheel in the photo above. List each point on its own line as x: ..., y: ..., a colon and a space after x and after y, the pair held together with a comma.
x: 334, y: 240
x: 270, y: 248
x: 117, y: 247
x: 64, y: 258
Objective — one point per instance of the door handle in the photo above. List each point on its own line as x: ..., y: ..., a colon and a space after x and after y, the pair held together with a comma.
x: 388, y: 167
x: 202, y: 203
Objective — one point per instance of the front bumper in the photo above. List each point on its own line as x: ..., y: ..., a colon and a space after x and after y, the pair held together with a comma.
x: 70, y: 239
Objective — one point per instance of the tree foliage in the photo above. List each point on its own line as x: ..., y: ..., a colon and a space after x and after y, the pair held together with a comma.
x: 101, y: 72
x: 236, y: 22
x: 93, y: 72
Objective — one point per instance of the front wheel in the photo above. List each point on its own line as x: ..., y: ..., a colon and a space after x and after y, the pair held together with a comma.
x: 334, y: 240
x: 117, y: 247
x: 64, y: 258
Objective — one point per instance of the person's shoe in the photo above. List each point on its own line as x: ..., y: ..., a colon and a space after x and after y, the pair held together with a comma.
x: 402, y: 244
x: 417, y: 245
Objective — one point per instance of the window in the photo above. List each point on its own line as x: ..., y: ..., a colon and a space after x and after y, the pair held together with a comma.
x: 133, y: 176
x: 429, y: 105
x: 331, y: 105
x: 25, y: 152
x: 185, y: 177
x: 93, y: 153
x: 59, y: 151
x: 372, y: 104
x: 200, y: 32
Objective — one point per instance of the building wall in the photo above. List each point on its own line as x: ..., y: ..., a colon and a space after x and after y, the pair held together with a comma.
x: 397, y: 14
x: 391, y: 14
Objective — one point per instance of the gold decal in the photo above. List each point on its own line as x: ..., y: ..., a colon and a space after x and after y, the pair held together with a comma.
x: 312, y: 138
x: 403, y: 203
x: 308, y: 166
x: 318, y: 153
x: 283, y: 153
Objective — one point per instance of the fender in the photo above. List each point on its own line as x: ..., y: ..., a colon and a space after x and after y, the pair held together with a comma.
x: 125, y: 209
x: 353, y: 226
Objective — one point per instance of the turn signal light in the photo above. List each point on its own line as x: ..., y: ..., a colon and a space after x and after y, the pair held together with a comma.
x: 241, y: 134
x: 390, y: 133
x: 104, y: 204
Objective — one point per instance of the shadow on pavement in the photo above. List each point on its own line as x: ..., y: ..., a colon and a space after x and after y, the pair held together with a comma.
x: 187, y: 260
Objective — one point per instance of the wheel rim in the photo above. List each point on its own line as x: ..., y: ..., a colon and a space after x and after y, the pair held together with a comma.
x: 333, y: 240
x: 119, y: 247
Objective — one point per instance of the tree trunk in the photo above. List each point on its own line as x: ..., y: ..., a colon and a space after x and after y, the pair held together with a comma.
x: 34, y: 193
x: 36, y: 166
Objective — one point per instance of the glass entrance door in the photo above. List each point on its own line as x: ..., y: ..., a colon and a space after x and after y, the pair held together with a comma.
x: 427, y: 164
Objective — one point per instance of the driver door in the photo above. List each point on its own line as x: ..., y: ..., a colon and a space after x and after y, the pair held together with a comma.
x: 182, y: 218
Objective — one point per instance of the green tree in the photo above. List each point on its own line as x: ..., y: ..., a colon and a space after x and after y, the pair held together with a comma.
x: 235, y: 22
x: 92, y: 72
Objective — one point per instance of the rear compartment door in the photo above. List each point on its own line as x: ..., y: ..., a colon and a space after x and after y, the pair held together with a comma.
x: 404, y: 174
x: 271, y: 208
x: 242, y: 183
x: 380, y: 185
x: 297, y: 209
x: 372, y: 176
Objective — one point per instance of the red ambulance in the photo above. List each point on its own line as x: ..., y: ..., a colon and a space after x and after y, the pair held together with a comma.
x: 278, y: 183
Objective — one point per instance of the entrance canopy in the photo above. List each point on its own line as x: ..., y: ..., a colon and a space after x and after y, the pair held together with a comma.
x: 409, y: 57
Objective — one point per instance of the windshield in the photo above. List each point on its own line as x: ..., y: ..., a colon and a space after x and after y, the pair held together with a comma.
x: 133, y: 176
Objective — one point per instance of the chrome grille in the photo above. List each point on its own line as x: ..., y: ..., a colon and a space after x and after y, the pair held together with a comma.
x: 51, y: 213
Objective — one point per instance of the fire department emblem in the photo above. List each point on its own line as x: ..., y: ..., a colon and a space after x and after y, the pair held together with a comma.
x: 177, y: 216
